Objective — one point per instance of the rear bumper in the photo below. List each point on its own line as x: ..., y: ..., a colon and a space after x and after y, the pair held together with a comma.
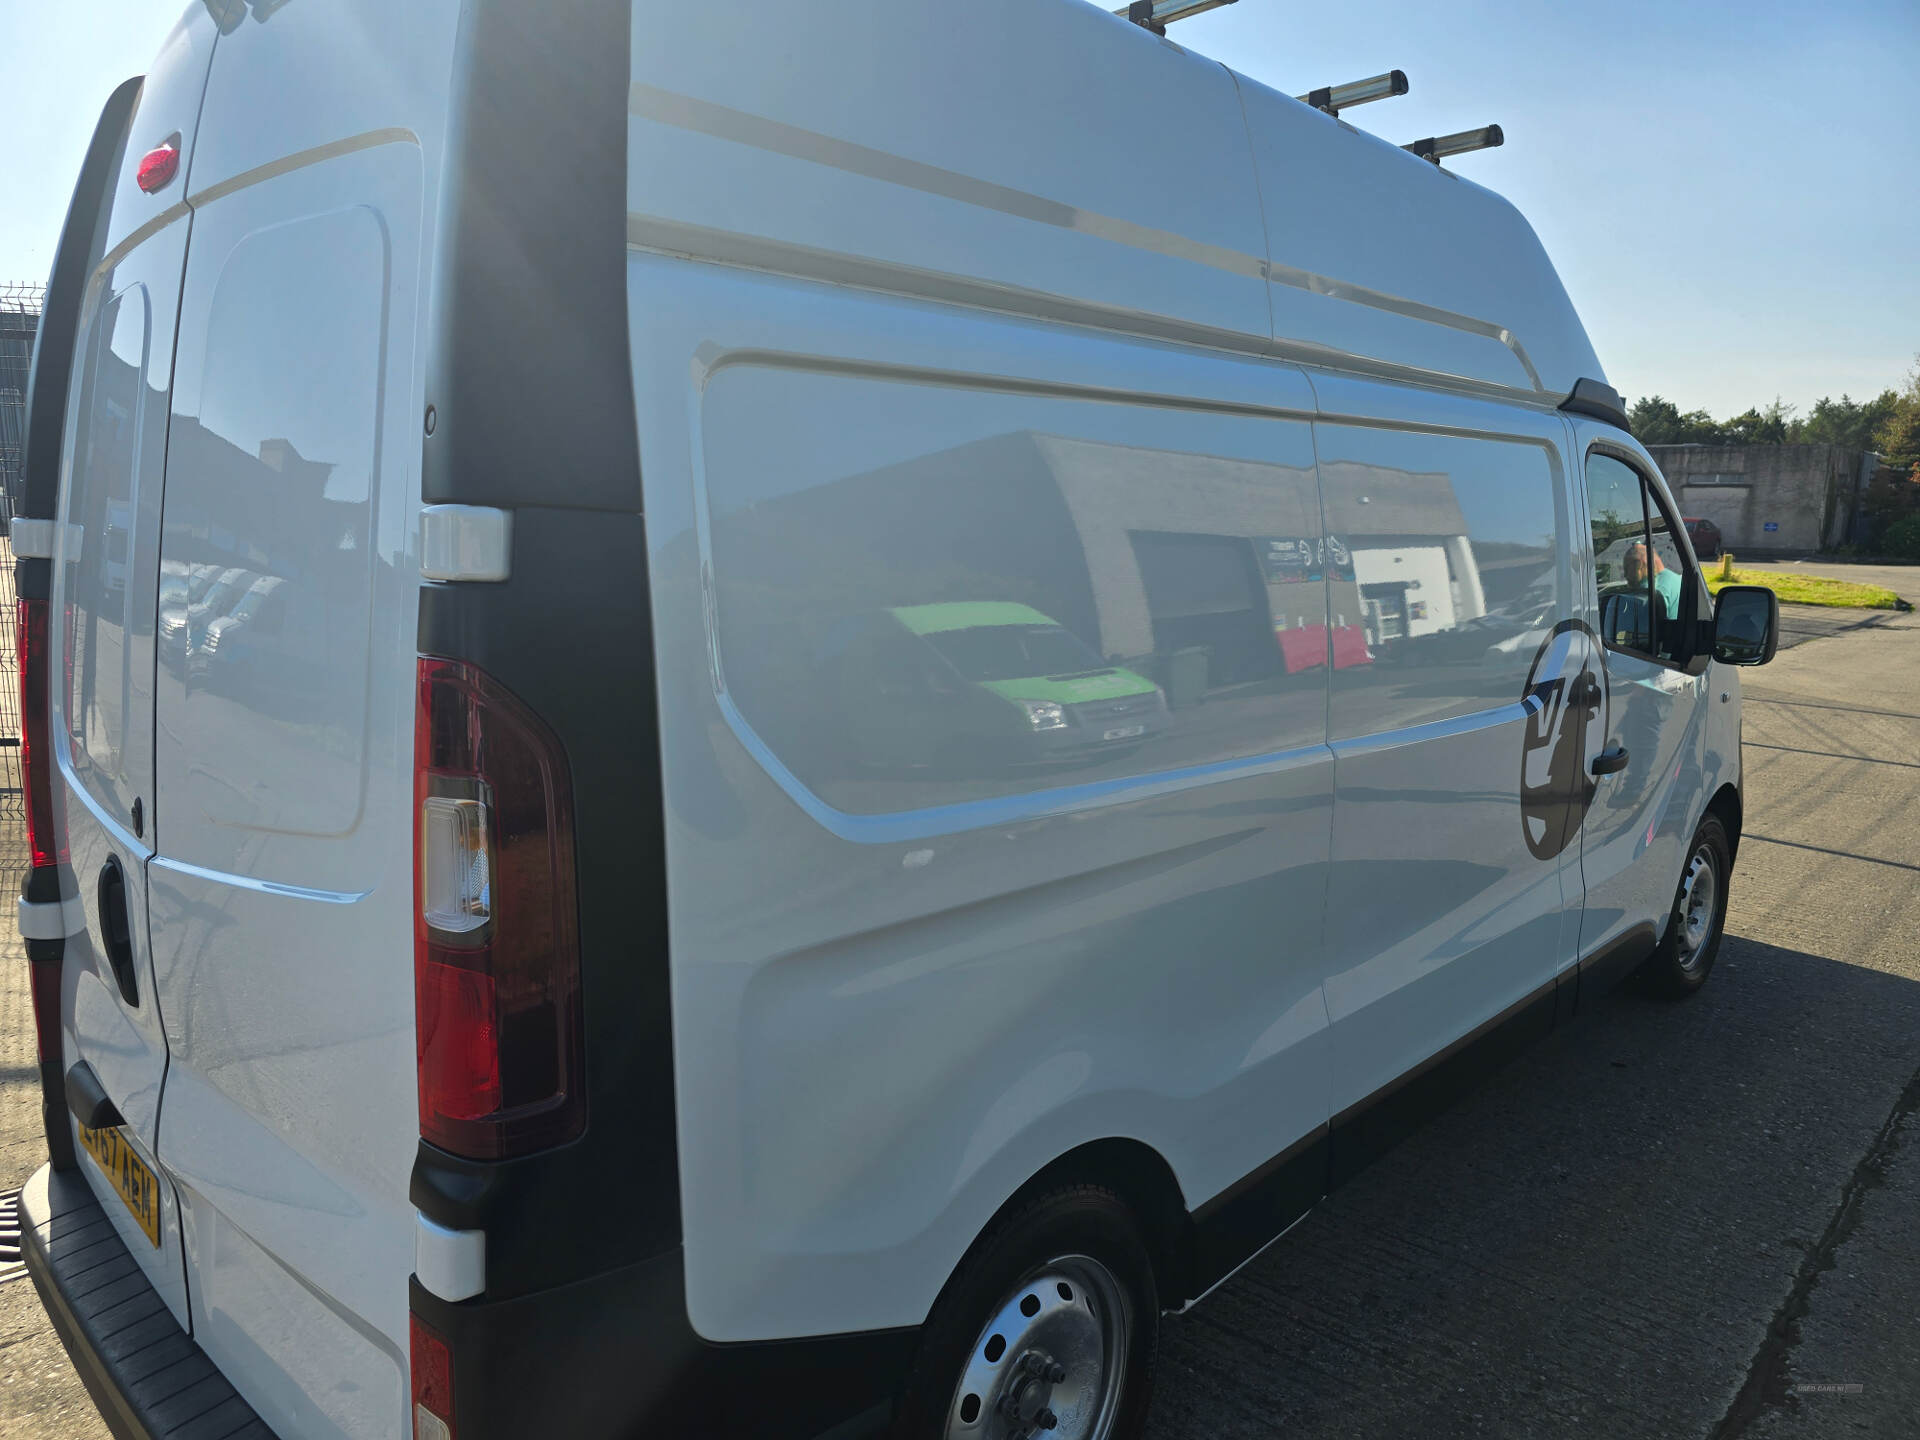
x: 614, y: 1355
x: 149, y: 1379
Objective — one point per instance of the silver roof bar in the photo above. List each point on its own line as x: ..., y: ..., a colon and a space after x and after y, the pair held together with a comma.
x: 1156, y: 15
x: 1460, y: 142
x: 1335, y: 98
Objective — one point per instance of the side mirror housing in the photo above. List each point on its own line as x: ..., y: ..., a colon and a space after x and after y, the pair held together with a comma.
x: 1746, y: 625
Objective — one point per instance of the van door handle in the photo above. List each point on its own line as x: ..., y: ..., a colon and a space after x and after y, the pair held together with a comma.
x: 87, y: 1099
x: 115, y: 929
x: 1610, y: 762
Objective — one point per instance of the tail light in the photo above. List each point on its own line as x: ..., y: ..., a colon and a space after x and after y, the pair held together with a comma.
x: 432, y: 1365
x: 36, y: 750
x: 496, y: 948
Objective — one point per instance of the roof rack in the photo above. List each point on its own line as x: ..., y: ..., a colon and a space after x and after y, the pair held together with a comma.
x: 1156, y: 15
x: 1438, y: 147
x: 1335, y: 98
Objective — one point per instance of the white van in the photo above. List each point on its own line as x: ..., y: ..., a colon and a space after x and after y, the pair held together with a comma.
x: 885, y: 681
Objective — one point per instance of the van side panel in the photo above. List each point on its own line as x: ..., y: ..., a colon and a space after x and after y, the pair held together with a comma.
x: 282, y: 899
x: 1018, y: 154
x: 960, y: 954
x: 1448, y: 904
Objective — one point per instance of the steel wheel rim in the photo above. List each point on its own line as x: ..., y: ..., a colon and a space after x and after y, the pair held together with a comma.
x: 1054, y: 1350
x: 1698, y: 906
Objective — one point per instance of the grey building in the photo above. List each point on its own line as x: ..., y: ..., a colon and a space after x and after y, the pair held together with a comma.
x: 1771, y: 497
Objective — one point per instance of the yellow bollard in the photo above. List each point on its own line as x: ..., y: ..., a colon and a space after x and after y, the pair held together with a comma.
x: 1726, y: 565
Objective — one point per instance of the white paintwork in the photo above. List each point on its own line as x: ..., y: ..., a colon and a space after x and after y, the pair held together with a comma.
x: 449, y: 1263
x: 280, y: 894
x: 105, y: 544
x: 51, y: 919
x: 465, y: 542
x: 31, y: 539
x: 1680, y: 752
x: 865, y: 243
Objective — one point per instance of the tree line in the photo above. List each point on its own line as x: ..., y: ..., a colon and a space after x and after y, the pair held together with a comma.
x: 1889, y: 424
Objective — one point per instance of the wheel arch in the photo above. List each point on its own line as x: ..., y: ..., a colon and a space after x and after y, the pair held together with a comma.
x: 1145, y: 1182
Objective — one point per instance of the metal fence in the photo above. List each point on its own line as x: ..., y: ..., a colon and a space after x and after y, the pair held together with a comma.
x: 19, y: 321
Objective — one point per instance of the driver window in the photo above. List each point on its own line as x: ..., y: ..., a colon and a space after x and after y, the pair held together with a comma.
x: 1616, y: 505
x: 1640, y: 571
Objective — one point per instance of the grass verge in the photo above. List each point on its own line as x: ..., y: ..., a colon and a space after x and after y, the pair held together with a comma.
x: 1808, y: 589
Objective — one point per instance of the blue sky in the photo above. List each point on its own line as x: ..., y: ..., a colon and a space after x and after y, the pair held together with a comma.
x: 1727, y: 188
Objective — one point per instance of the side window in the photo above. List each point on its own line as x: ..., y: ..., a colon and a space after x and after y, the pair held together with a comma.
x: 1671, y: 581
x: 100, y: 506
x: 928, y: 596
x: 1647, y: 592
x: 1616, y: 507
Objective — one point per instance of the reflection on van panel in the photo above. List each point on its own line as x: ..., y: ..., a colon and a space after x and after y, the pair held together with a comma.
x: 967, y: 685
x: 1131, y: 564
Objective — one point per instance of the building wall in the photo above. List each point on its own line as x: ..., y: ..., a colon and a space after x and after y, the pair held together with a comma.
x: 1805, y: 492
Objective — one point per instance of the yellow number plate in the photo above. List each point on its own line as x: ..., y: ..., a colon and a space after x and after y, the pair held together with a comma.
x: 130, y: 1176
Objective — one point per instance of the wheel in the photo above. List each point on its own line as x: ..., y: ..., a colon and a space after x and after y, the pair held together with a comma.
x: 1046, y: 1331
x: 1681, y: 963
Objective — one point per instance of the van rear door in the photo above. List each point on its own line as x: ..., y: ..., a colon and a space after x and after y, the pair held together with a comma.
x: 105, y: 579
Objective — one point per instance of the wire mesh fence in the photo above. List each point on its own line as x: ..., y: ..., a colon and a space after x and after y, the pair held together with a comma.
x: 19, y: 322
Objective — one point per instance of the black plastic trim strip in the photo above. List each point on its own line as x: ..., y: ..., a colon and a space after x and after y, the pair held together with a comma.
x: 1598, y: 401
x: 1612, y: 962
x: 1232, y: 1228
x: 87, y: 1098
x: 615, y: 1355
x: 570, y: 634
x: 1369, y: 1128
x: 533, y: 237
x: 53, y: 1080
x: 146, y: 1375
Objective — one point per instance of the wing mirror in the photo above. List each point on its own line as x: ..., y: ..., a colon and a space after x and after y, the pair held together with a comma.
x: 1746, y: 625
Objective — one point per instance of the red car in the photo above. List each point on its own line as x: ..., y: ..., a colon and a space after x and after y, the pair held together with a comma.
x: 1705, y: 536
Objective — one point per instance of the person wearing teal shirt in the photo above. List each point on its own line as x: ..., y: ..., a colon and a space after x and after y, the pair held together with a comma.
x: 1666, y: 583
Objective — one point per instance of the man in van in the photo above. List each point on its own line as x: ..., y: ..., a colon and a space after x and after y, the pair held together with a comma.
x: 1666, y: 583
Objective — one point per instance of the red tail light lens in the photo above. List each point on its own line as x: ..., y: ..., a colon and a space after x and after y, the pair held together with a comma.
x: 36, y: 751
x: 496, y: 948
x: 432, y: 1365
x: 157, y: 168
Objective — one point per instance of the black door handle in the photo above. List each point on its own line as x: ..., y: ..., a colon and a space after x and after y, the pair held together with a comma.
x: 115, y: 930
x: 1610, y: 762
x: 87, y: 1099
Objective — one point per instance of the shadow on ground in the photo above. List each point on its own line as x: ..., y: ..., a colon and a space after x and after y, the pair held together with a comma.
x: 1595, y: 1241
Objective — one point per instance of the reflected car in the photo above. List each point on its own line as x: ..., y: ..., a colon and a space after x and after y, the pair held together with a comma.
x: 985, y: 683
x: 224, y: 638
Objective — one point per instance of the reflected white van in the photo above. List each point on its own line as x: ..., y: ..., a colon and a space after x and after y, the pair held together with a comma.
x: 749, y: 720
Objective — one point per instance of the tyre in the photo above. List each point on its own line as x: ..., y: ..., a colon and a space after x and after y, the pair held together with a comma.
x: 1047, y: 1330
x: 1681, y: 964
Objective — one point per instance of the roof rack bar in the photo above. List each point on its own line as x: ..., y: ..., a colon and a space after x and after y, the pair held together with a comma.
x: 1437, y: 148
x: 1156, y: 15
x: 1335, y: 98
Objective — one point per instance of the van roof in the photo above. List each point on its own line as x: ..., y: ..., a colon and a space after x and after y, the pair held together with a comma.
x: 1063, y: 163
